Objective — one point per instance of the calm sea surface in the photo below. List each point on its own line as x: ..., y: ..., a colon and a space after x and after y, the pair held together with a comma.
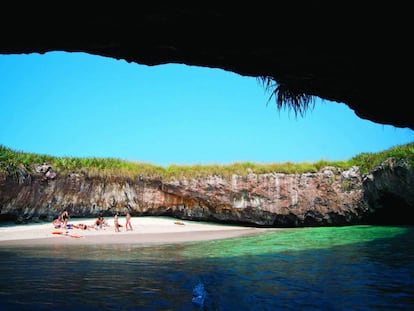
x: 340, y: 268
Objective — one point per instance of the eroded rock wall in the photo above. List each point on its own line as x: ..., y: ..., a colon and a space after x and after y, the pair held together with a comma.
x: 389, y: 192
x: 329, y: 197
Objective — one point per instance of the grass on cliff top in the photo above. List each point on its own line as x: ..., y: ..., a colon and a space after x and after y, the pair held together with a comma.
x: 11, y: 162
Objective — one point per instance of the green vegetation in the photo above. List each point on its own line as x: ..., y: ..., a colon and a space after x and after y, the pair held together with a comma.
x: 11, y: 162
x: 367, y: 161
x: 286, y: 97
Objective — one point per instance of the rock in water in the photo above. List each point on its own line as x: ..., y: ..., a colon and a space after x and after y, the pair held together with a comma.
x: 199, y: 294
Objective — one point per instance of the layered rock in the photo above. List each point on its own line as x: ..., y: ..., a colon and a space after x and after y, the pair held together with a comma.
x: 329, y: 197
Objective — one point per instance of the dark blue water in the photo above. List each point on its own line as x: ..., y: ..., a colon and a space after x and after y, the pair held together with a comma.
x: 346, y: 268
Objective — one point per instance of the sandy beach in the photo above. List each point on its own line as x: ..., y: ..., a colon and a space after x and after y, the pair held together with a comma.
x: 146, y: 230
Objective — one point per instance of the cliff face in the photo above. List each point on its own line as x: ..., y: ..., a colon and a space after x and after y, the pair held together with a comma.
x: 329, y: 197
x: 389, y: 191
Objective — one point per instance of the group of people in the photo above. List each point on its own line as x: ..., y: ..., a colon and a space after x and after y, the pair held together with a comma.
x: 100, y: 222
x: 117, y: 225
x: 62, y: 220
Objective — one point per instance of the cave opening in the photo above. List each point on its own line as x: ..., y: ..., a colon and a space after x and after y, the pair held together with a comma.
x: 393, y: 211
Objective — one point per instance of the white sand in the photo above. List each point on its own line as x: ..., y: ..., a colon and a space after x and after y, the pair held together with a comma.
x: 146, y: 230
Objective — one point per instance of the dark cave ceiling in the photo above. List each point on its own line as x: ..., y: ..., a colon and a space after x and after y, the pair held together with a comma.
x: 336, y: 51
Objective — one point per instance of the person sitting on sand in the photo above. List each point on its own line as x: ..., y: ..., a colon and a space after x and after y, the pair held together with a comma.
x: 100, y: 222
x: 58, y: 223
x: 104, y: 223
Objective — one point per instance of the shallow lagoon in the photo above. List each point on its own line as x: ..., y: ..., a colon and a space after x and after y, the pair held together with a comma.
x: 338, y: 268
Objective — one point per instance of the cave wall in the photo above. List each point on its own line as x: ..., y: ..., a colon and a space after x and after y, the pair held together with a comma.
x: 388, y: 187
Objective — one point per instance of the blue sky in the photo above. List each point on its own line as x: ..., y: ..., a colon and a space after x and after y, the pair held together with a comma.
x: 80, y: 105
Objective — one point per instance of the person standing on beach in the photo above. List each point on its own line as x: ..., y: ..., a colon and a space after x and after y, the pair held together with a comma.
x: 64, y: 217
x: 116, y: 222
x: 128, y: 225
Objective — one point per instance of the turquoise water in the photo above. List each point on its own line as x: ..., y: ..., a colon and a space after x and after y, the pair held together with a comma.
x: 338, y: 268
